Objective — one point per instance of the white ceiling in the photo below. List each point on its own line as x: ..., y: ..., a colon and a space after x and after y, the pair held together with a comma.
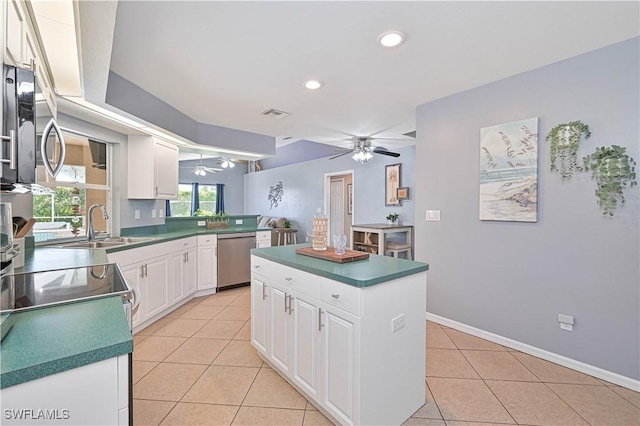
x: 224, y: 63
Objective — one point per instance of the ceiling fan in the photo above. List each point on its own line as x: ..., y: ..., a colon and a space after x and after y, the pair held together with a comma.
x: 226, y: 162
x: 201, y: 170
x: 363, y: 150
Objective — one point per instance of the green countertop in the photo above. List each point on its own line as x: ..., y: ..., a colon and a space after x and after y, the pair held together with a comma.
x: 45, y: 258
x: 361, y: 273
x: 55, y: 339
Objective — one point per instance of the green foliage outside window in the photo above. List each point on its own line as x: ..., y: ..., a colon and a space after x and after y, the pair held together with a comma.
x: 61, y: 210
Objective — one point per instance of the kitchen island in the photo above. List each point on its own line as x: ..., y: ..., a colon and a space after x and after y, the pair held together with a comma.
x: 351, y: 337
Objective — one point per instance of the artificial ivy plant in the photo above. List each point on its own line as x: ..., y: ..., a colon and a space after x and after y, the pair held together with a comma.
x: 613, y: 170
x: 565, y: 141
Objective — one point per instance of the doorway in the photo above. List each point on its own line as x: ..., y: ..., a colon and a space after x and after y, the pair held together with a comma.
x: 338, y: 196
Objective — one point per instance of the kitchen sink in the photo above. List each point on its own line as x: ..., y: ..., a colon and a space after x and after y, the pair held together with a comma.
x: 107, y: 243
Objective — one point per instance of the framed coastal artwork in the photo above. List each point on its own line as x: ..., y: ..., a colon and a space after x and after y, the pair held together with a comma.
x: 403, y: 193
x: 509, y: 171
x: 392, y: 183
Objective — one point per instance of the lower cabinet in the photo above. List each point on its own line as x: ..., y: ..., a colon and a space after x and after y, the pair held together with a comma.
x: 207, y: 262
x: 94, y: 394
x: 263, y: 239
x: 312, y: 329
x: 165, y: 275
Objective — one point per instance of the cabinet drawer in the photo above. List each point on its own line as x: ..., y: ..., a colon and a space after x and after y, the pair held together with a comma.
x: 183, y: 244
x: 298, y: 280
x: 207, y: 240
x: 340, y: 295
x: 263, y: 235
x: 264, y: 267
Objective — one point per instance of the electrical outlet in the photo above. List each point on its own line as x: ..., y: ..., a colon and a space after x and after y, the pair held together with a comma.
x: 153, y: 213
x: 567, y: 319
x: 566, y: 327
x: 161, y: 212
x: 397, y: 323
x: 202, y: 223
x: 238, y: 221
x: 136, y: 214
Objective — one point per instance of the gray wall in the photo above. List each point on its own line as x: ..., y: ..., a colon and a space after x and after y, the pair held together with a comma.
x: 304, y: 188
x: 128, y: 97
x: 298, y: 152
x: 510, y: 278
x: 233, y: 180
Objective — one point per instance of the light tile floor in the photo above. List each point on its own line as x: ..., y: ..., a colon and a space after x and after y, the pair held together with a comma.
x: 196, y: 366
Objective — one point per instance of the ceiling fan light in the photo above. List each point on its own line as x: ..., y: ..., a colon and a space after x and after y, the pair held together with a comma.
x: 224, y: 164
x: 231, y: 164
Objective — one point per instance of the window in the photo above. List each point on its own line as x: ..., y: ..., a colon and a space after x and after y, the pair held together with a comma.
x: 206, y: 196
x: 60, y: 206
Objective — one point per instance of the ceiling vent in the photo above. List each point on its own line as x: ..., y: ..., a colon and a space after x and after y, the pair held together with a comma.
x: 275, y: 113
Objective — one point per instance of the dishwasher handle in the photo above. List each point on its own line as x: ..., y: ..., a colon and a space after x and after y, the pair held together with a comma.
x: 236, y: 235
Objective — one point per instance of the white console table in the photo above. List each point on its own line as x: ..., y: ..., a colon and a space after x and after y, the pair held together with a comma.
x: 372, y: 238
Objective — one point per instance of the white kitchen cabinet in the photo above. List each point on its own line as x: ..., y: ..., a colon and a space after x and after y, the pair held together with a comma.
x: 280, y: 327
x: 259, y: 310
x: 207, y: 262
x: 156, y: 285
x: 152, y: 169
x: 263, y: 239
x: 133, y: 275
x: 340, y: 341
x: 94, y: 394
x: 334, y: 342
x: 183, y: 269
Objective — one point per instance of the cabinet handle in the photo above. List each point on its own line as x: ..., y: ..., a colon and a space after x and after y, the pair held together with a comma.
x: 335, y: 295
x: 288, y: 278
x: 264, y: 291
x: 257, y: 266
x: 141, y: 271
x: 319, y: 319
x: 146, y: 272
x: 290, y: 303
x: 155, y: 190
x: 286, y: 296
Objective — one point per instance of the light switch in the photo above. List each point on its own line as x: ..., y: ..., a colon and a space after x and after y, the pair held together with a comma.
x: 433, y: 215
x: 238, y: 221
x: 153, y: 213
x: 161, y: 213
x: 136, y: 214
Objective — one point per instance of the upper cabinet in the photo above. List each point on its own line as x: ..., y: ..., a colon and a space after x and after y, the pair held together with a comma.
x: 22, y: 48
x: 152, y: 169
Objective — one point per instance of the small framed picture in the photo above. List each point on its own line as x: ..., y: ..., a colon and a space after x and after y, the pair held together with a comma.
x: 403, y: 193
x: 350, y: 198
x: 392, y: 183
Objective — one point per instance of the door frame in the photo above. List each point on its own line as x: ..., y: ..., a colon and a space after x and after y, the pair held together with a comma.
x: 327, y: 197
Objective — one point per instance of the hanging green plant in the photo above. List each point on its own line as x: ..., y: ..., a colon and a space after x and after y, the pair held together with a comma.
x: 613, y: 170
x: 565, y: 141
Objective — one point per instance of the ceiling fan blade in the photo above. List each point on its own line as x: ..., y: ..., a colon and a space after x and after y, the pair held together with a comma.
x: 212, y: 170
x: 340, y: 155
x: 384, y: 151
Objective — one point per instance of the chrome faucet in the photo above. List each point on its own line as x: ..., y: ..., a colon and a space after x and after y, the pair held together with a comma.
x: 91, y: 234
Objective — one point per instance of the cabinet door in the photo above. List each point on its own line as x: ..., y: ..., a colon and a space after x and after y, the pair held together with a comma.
x: 166, y: 171
x: 190, y: 272
x: 259, y: 314
x: 280, y: 327
x: 157, y: 283
x: 263, y: 244
x: 207, y: 267
x: 175, y: 280
x: 133, y: 275
x: 340, y: 345
x: 306, y: 343
x: 14, y: 35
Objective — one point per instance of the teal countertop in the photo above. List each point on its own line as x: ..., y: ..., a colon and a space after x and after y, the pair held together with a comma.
x: 55, y: 339
x: 361, y: 273
x: 45, y: 258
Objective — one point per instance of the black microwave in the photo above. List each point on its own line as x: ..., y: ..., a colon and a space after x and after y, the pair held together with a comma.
x: 18, y: 151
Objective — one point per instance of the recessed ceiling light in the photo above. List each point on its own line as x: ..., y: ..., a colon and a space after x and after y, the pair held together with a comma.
x: 390, y: 39
x: 313, y: 84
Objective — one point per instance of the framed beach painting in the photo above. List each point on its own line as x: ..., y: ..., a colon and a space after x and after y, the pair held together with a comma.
x: 392, y: 183
x: 509, y: 171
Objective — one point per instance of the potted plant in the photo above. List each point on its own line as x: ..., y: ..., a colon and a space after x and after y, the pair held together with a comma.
x: 565, y: 141
x: 286, y: 224
x: 392, y: 217
x: 613, y: 170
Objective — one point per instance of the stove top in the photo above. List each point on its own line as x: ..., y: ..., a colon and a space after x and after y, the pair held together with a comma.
x: 38, y: 289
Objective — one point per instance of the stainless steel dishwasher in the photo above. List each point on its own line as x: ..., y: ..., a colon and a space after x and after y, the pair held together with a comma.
x: 234, y: 258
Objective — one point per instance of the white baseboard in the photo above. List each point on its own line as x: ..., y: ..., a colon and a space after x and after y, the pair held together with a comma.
x: 591, y: 370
